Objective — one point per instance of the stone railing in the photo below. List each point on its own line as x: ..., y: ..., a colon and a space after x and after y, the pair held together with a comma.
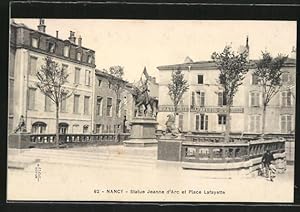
x: 221, y: 152
x: 244, y: 157
x: 27, y: 140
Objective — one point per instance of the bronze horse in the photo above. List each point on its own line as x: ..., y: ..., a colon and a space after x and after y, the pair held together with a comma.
x: 143, y: 98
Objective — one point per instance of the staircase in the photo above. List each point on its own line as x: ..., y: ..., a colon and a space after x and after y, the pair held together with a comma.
x: 111, y: 157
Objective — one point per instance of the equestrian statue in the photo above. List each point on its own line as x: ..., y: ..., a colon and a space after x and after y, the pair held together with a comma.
x: 142, y: 98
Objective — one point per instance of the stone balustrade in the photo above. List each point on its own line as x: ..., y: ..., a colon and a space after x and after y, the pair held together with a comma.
x: 27, y: 140
x: 220, y: 152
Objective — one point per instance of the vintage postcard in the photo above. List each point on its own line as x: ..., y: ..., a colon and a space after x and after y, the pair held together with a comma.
x: 151, y: 110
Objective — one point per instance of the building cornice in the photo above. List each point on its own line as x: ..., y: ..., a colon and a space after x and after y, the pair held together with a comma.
x: 18, y: 46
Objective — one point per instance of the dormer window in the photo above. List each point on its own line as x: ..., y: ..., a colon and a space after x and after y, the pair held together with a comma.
x: 66, y: 51
x: 78, y: 56
x: 51, y: 47
x: 89, y: 59
x: 34, y: 42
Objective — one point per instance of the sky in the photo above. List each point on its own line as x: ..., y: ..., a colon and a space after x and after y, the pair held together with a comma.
x: 135, y: 44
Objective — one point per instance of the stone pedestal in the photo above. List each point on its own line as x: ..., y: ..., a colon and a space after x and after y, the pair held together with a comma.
x: 19, y: 140
x: 169, y: 148
x: 142, y: 132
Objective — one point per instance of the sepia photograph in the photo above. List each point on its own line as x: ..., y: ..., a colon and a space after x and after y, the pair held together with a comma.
x: 136, y: 110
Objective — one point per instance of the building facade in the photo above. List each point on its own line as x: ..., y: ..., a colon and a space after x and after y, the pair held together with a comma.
x: 111, y: 108
x: 28, y: 48
x: 202, y: 108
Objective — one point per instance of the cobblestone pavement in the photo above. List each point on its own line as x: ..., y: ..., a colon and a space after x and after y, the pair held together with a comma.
x: 117, y: 173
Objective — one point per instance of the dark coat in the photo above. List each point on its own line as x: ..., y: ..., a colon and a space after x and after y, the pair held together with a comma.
x: 267, y: 158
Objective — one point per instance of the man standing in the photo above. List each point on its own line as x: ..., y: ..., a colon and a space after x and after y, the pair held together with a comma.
x: 266, y: 161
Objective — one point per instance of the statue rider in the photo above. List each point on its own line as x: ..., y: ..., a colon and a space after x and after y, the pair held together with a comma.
x: 145, y: 90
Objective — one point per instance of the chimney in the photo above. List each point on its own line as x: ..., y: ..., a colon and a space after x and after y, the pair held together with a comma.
x: 42, y: 26
x: 56, y: 33
x: 72, y: 37
x: 79, y: 41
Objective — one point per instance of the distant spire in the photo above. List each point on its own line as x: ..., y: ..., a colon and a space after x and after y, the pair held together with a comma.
x: 247, y: 42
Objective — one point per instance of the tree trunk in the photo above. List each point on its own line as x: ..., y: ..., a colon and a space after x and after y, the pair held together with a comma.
x: 228, y: 124
x: 264, y: 113
x: 175, y: 114
x: 263, y: 121
x: 57, y: 125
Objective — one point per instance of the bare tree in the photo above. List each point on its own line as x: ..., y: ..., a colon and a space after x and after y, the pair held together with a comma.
x: 268, y: 72
x: 233, y: 67
x: 177, y: 87
x: 51, y: 79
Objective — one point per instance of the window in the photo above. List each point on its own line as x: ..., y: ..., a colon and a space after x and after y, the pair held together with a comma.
x: 201, y: 122
x: 66, y: 51
x: 48, y: 104
x: 221, y: 99
x: 200, y: 98
x: 86, y: 105
x: 254, y: 79
x: 34, y: 42
x: 65, y: 67
x: 118, y: 109
x: 285, y: 77
x: 87, y: 77
x: 254, y: 99
x: 98, y: 128
x: 286, y: 100
x: 193, y: 98
x: 99, y: 106
x: 108, y: 129
x: 222, y: 119
x: 200, y: 79
x: 85, y: 129
x: 286, y: 123
x: 109, y: 106
x: 63, y: 104
x: 99, y: 82
x: 78, y: 56
x: 77, y: 76
x: 180, y: 122
x: 254, y: 123
x: 89, y: 59
x: 31, y: 98
x: 38, y: 128
x: 51, y: 47
x: 109, y: 84
x: 32, y: 65
x: 76, y: 104
x: 63, y: 128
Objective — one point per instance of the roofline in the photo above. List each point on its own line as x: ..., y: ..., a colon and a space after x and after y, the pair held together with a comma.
x: 17, y: 25
x: 101, y: 73
x: 211, y: 65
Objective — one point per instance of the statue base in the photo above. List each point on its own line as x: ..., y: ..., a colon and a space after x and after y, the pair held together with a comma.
x: 143, y: 131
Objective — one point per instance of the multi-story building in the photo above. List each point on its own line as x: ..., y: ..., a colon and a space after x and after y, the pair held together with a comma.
x: 202, y: 108
x: 28, y: 48
x: 111, y: 107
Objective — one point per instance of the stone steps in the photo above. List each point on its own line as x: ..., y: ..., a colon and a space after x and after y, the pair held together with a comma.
x: 105, y: 159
